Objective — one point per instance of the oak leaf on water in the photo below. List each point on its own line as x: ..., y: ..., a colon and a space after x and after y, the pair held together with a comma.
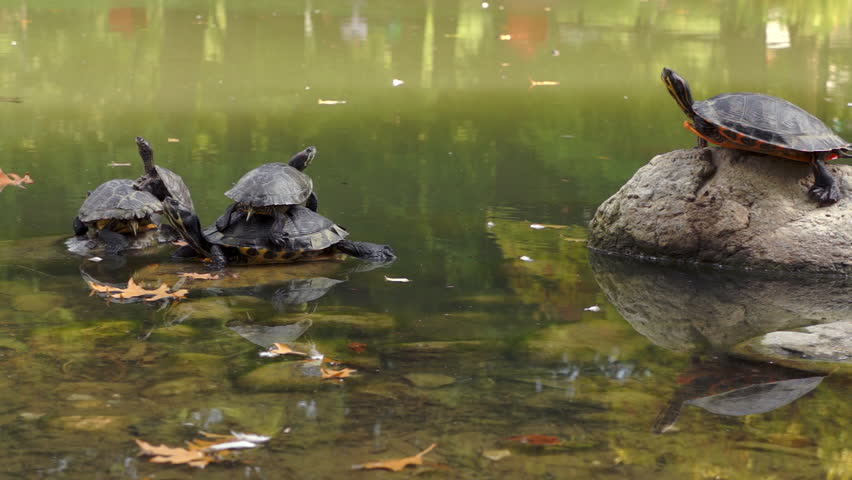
x: 328, y: 373
x: 179, y: 456
x: 135, y: 290
x: 14, y: 179
x: 398, y: 464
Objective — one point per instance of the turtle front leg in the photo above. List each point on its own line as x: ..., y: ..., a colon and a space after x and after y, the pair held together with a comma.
x: 278, y: 232
x: 312, y: 203
x: 80, y: 228
x: 114, y: 242
x: 824, y: 190
x: 218, y: 260
x: 225, y: 220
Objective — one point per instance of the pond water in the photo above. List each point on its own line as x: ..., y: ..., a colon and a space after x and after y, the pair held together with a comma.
x: 437, y: 136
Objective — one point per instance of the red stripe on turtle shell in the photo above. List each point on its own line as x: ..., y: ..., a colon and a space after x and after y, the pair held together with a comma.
x: 779, y: 151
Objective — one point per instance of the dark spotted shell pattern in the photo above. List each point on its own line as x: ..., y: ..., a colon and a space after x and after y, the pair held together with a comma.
x: 769, y: 119
x: 117, y: 199
x: 272, y: 184
x: 307, y: 230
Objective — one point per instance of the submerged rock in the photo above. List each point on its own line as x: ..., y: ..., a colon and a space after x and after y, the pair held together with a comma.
x: 824, y: 347
x: 429, y: 380
x: 726, y: 207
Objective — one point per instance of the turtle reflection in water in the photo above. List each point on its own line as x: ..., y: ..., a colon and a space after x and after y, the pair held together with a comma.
x: 735, y: 388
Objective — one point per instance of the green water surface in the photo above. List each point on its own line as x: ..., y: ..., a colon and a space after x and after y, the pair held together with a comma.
x: 436, y: 142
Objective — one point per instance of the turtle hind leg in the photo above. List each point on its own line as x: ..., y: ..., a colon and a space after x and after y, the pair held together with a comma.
x: 278, y: 231
x: 218, y: 260
x: 366, y: 251
x: 824, y: 190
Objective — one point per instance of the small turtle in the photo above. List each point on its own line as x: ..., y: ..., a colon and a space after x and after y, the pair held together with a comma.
x: 306, y: 235
x: 116, y: 214
x: 764, y: 124
x: 158, y: 180
x: 270, y: 190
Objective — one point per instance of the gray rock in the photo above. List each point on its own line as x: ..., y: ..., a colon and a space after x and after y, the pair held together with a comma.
x: 722, y: 206
x: 830, y: 342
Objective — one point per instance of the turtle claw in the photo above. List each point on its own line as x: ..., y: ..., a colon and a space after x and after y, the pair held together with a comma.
x: 825, y: 195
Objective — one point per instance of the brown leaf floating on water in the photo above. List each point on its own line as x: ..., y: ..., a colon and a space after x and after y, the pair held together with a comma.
x: 14, y: 179
x: 134, y: 290
x: 328, y: 373
x: 535, y: 439
x: 357, y: 347
x: 177, y: 456
x: 398, y: 464
x: 200, y: 276
x: 283, y: 349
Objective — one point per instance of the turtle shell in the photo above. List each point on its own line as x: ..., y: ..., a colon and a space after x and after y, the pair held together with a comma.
x: 117, y: 199
x: 307, y: 230
x: 175, y: 186
x: 272, y: 184
x: 770, y: 120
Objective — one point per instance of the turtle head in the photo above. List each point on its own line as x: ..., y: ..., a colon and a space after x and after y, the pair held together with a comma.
x: 301, y: 160
x: 679, y: 90
x: 147, y: 154
x: 186, y: 222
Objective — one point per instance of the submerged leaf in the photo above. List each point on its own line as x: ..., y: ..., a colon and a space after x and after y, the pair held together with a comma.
x: 282, y: 349
x: 134, y: 290
x: 200, y: 276
x: 535, y: 439
x: 328, y: 373
x: 398, y: 464
x: 397, y: 279
x: 178, y: 456
x: 14, y: 179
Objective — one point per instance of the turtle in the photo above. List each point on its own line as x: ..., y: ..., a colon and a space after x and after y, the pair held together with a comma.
x: 307, y: 235
x: 117, y: 214
x: 765, y: 124
x: 158, y: 180
x: 270, y: 190
x: 727, y: 386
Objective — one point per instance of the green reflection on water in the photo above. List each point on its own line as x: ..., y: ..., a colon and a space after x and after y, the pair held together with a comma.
x: 423, y: 166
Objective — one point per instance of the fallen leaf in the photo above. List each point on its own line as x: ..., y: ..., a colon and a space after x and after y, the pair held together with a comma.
x: 200, y: 276
x: 282, y: 349
x: 542, y: 83
x: 535, y: 439
x: 525, y: 258
x: 14, y: 179
x: 397, y: 82
x: 593, y: 308
x: 496, y: 455
x: 178, y: 456
x: 505, y: 36
x: 180, y: 243
x: 357, y: 347
x: 328, y: 373
x: 330, y: 102
x: 136, y: 291
x: 114, y: 164
x: 399, y: 279
x: 173, y: 140
x: 542, y: 226
x: 398, y: 464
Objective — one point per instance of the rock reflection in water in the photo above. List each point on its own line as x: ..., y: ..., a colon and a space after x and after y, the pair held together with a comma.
x: 732, y: 387
x: 686, y: 309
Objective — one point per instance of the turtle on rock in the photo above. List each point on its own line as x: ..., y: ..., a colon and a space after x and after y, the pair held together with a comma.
x: 305, y: 235
x: 270, y: 190
x: 764, y: 124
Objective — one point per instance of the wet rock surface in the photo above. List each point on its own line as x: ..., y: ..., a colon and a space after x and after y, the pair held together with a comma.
x: 722, y: 206
x: 818, y: 347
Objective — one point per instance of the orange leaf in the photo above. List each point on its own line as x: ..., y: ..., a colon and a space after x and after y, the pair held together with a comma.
x: 283, y: 349
x: 328, y: 373
x: 398, y: 464
x: 357, y: 347
x: 534, y: 439
x: 134, y: 290
x: 13, y: 179
x: 178, y: 456
x: 200, y: 276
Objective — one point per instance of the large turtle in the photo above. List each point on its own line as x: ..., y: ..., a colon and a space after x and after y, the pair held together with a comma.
x: 764, y: 124
x: 306, y: 235
x: 116, y: 215
x: 158, y: 180
x: 270, y: 190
